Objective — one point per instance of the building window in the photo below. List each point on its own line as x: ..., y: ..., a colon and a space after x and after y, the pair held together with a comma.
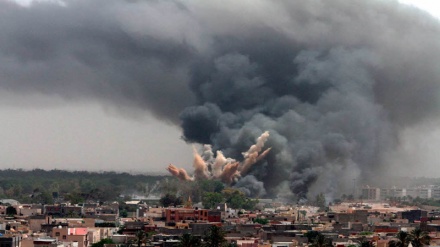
x: 57, y: 234
x: 64, y: 237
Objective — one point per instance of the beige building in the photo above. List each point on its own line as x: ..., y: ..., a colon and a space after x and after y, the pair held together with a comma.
x: 65, y: 234
x: 36, y: 221
x: 94, y: 235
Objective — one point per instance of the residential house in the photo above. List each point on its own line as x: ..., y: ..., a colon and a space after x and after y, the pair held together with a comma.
x: 66, y: 234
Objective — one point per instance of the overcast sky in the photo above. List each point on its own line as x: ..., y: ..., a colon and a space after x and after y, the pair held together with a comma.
x: 88, y: 137
x: 47, y: 131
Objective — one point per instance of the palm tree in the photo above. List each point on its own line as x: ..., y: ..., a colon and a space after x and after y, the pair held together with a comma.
x: 321, y: 241
x: 366, y: 243
x: 402, y: 240
x: 140, y: 238
x: 188, y: 240
x: 214, y: 237
x: 419, y: 238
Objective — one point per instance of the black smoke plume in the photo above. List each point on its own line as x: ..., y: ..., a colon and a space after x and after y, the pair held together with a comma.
x: 332, y: 81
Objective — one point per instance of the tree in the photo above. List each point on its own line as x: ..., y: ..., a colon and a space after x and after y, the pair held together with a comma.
x: 303, y: 214
x: 419, y: 238
x: 402, y: 240
x: 311, y: 235
x: 211, y: 199
x: 74, y: 197
x: 366, y: 243
x: 262, y: 221
x: 169, y: 200
x: 211, y: 185
x: 188, y: 240
x: 140, y: 237
x: 169, y: 186
x: 10, y: 210
x: 237, y: 199
x: 249, y: 204
x: 214, y: 237
x: 320, y: 201
x: 321, y: 241
x: 123, y: 213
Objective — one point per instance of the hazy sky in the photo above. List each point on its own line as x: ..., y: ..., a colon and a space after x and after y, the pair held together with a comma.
x: 48, y: 132
x: 87, y: 137
x: 419, y: 146
x: 41, y: 131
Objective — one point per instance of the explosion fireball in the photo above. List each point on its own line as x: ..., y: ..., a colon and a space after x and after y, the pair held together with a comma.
x: 227, y: 170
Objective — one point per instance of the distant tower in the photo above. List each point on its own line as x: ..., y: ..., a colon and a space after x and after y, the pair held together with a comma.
x: 188, y: 203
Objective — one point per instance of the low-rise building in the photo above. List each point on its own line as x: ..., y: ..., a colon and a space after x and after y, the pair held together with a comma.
x: 179, y: 214
x: 66, y: 234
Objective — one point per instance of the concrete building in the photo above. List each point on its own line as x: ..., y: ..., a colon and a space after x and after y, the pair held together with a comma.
x: 65, y: 234
x: 370, y: 193
x: 46, y: 242
x: 424, y: 193
x: 413, y: 215
x: 377, y: 194
x: 10, y: 241
x: 435, y: 193
x: 360, y: 216
x: 36, y: 221
x: 179, y: 214
x: 411, y: 192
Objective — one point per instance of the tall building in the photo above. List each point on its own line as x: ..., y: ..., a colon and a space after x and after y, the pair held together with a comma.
x: 370, y: 193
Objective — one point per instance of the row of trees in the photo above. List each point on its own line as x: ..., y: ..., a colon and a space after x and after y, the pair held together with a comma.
x: 209, y: 192
x: 416, y: 237
x: 213, y: 237
x: 47, y: 187
x: 233, y: 197
x: 42, y: 186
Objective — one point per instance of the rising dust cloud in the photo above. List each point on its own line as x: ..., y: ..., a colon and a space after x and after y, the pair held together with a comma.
x: 333, y: 82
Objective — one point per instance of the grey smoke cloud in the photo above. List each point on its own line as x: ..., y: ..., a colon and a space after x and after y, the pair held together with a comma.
x: 94, y: 51
x: 334, y: 82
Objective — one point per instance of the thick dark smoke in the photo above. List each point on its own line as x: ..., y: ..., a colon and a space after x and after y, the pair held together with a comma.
x: 332, y: 81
